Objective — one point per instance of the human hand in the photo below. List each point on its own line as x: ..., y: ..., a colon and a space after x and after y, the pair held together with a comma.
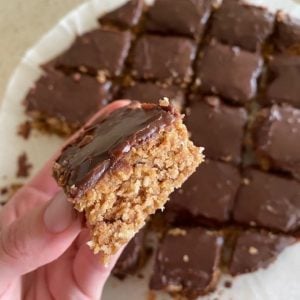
x: 43, y: 251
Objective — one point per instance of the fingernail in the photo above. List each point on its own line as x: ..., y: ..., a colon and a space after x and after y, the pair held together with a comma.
x: 59, y: 214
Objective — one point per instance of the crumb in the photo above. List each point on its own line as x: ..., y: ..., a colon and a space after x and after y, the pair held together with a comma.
x: 228, y: 284
x: 177, y: 232
x: 253, y: 251
x: 164, y: 102
x: 140, y: 276
x: 23, y: 166
x: 24, y: 130
x: 3, y: 191
x: 151, y: 296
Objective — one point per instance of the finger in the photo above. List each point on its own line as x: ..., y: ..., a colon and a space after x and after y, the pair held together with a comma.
x: 43, y: 181
x: 23, y: 201
x: 39, y: 237
x: 89, y: 272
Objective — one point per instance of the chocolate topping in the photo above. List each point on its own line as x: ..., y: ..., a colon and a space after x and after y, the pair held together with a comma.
x: 288, y: 33
x: 72, y: 99
x: 151, y: 92
x: 184, y: 17
x: 195, y: 200
x: 268, y: 201
x: 187, y: 262
x: 229, y: 72
x: 211, y: 123
x: 163, y: 58
x: 255, y: 250
x: 284, y: 80
x: 277, y: 138
x: 131, y: 258
x: 125, y: 16
x: 101, y: 145
x: 98, y: 50
x: 243, y: 25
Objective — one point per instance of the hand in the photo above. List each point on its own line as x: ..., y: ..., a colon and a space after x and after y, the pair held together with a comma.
x: 43, y: 251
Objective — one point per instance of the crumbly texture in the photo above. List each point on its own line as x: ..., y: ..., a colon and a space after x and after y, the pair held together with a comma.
x: 51, y: 125
x: 119, y: 204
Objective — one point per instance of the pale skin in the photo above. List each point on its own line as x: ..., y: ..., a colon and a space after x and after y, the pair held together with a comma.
x: 43, y: 251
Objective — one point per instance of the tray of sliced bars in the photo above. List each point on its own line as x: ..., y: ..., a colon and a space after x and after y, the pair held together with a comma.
x: 232, y: 69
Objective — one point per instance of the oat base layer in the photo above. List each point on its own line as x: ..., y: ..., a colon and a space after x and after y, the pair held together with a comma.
x: 120, y: 203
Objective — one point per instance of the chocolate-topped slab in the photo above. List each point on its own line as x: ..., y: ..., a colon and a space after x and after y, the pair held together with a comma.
x: 276, y: 137
x: 126, y: 16
x: 99, y: 148
x: 187, y: 262
x: 256, y: 250
x: 153, y: 92
x: 288, y: 33
x: 132, y: 257
x: 71, y: 99
x: 163, y: 59
x: 99, y: 51
x: 183, y: 17
x: 208, y: 194
x: 229, y: 72
x: 268, y: 201
x: 243, y: 25
x: 284, y: 78
x: 218, y: 127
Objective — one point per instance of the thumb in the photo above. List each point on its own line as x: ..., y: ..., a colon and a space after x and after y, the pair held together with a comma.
x: 37, y: 238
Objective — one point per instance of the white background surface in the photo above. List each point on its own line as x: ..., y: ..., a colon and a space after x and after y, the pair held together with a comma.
x: 279, y: 282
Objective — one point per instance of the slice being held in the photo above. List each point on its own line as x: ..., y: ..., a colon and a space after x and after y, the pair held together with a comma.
x: 123, y: 168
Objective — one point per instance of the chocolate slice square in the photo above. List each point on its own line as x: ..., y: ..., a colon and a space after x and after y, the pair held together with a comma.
x: 287, y: 37
x: 284, y: 78
x: 63, y: 103
x: 133, y: 256
x: 243, y: 25
x: 163, y: 59
x: 229, y: 72
x: 126, y: 16
x: 211, y: 123
x: 183, y: 17
x: 122, y: 169
x: 256, y: 250
x: 207, y: 196
x: 187, y: 262
x: 276, y: 137
x: 101, y: 51
x: 269, y: 201
x: 152, y: 93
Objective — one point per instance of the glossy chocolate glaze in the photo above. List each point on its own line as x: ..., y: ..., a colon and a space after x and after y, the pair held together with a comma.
x: 212, y: 123
x: 102, y: 145
x: 186, y: 17
x: 268, y: 201
x: 196, y: 199
x: 187, y: 262
x: 284, y: 78
x: 229, y: 72
x: 243, y: 25
x: 277, y: 137
x: 125, y: 16
x: 72, y: 99
x: 255, y: 250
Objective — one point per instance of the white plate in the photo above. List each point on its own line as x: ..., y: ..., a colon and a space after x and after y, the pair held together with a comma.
x: 278, y: 282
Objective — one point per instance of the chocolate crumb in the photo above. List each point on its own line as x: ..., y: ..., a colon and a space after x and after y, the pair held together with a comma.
x: 24, y: 130
x: 23, y: 166
x: 3, y: 191
x: 151, y: 296
x: 140, y: 276
x: 228, y: 284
